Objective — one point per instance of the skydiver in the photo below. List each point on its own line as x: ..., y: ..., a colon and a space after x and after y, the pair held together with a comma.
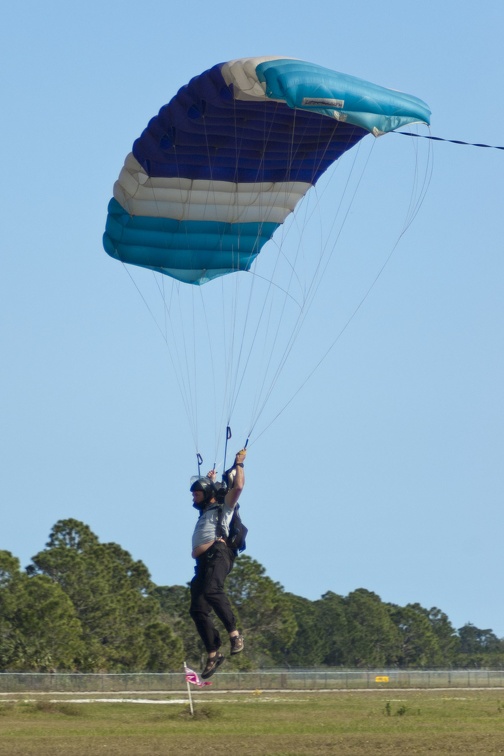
x: 214, y: 562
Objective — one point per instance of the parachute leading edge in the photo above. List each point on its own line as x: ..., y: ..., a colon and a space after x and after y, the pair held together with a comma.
x: 228, y: 158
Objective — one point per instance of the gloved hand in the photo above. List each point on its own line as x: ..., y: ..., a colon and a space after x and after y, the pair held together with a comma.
x: 240, y: 457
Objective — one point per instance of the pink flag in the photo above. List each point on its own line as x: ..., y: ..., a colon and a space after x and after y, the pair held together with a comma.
x: 193, y: 678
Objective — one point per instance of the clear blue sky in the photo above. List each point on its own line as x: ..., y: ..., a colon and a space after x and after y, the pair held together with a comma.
x: 386, y: 471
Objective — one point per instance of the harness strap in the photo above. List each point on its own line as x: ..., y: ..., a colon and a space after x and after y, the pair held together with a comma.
x: 219, y: 532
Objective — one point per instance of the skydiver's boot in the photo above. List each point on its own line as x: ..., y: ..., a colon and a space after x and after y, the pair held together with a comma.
x: 212, y: 664
x: 237, y: 644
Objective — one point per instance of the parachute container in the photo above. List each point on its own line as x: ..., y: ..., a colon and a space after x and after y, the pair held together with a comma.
x: 228, y: 158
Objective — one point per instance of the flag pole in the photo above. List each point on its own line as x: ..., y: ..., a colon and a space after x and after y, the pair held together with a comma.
x: 189, y: 693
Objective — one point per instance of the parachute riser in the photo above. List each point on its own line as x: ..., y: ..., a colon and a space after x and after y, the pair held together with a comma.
x: 228, y: 436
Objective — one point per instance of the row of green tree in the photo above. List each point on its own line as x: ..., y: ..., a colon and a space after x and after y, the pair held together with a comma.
x: 88, y: 606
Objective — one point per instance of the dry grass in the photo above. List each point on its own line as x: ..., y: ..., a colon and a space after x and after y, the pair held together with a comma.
x: 428, y: 723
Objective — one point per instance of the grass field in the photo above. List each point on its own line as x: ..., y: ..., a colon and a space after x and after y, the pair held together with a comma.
x: 268, y: 724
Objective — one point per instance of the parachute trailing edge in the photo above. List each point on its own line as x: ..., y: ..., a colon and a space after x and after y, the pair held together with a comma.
x: 228, y: 158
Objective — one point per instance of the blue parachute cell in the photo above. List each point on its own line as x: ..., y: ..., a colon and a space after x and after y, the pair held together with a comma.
x: 228, y: 158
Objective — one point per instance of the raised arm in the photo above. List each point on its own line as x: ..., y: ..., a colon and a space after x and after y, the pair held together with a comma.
x: 238, y: 480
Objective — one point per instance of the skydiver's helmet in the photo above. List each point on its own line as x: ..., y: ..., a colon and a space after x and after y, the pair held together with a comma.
x: 207, y: 486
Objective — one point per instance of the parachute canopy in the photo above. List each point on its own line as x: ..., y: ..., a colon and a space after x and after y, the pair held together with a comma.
x: 228, y: 158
